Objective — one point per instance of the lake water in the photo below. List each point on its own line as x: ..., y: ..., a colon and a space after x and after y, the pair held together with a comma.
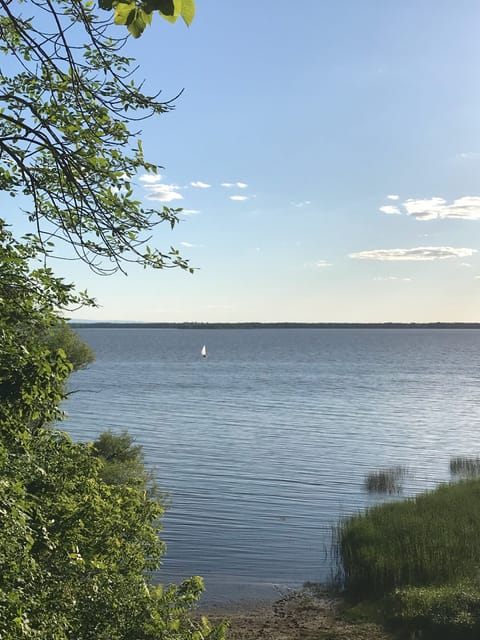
x: 265, y: 444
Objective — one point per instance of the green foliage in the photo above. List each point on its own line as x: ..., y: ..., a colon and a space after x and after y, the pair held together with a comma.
x: 433, y: 539
x: 77, y: 546
x: 136, y: 15
x: 77, y: 352
x: 448, y: 611
x: 123, y: 463
x: 75, y: 551
x: 32, y: 376
x: 67, y: 101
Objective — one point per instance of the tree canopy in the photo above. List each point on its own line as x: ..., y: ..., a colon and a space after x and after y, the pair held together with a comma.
x: 69, y: 140
x: 79, y: 536
x: 32, y: 375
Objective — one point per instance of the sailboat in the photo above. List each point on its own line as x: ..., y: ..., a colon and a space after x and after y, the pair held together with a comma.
x: 204, y: 351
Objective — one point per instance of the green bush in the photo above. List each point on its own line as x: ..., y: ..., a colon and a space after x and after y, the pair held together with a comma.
x: 449, y: 611
x: 77, y: 352
x: 79, y: 526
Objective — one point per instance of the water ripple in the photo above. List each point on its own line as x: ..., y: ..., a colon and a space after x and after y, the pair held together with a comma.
x: 264, y: 445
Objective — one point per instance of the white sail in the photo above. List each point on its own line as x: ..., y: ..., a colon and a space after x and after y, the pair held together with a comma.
x: 204, y: 351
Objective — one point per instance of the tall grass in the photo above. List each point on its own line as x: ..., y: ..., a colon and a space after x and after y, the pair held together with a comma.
x: 465, y: 467
x: 385, y: 480
x: 431, y: 539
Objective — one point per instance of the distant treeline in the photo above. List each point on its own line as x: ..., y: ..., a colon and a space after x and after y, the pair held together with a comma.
x: 275, y: 325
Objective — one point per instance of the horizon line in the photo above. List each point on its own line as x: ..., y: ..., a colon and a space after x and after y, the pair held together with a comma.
x: 274, y: 325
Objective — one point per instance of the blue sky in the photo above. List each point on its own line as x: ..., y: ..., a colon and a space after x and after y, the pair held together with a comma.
x: 349, y: 133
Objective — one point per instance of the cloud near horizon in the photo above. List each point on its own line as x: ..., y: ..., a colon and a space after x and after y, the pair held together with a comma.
x: 317, y: 264
x: 415, y: 254
x: 393, y: 197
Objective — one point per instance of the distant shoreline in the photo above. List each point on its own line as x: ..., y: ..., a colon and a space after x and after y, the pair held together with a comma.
x: 274, y: 325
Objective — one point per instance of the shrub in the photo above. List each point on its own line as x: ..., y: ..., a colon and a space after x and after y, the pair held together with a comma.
x: 450, y: 611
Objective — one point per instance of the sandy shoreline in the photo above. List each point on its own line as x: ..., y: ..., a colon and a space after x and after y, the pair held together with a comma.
x: 297, y: 615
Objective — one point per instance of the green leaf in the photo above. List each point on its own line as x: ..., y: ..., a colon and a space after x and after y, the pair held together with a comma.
x: 166, y: 7
x: 174, y: 625
x: 173, y: 12
x: 137, y: 21
x: 188, y: 11
x: 123, y: 13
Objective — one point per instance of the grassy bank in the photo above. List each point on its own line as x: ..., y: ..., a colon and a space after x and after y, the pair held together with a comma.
x: 421, y: 558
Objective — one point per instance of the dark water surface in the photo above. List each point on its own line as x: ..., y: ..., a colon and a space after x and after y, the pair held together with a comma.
x: 264, y: 444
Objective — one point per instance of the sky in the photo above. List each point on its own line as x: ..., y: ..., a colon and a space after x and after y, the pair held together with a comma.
x: 327, y: 161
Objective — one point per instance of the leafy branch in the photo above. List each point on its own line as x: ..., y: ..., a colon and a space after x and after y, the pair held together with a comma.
x: 68, y: 100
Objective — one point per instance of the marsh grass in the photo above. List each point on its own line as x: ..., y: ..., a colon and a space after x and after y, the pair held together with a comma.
x: 446, y: 611
x: 385, y: 480
x: 465, y: 467
x: 432, y: 539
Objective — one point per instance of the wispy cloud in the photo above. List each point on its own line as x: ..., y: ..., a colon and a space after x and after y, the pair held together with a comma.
x: 465, y: 208
x: 200, y: 185
x: 468, y: 155
x: 393, y: 197
x: 390, y: 209
x: 190, y: 212
x: 239, y: 185
x: 415, y: 254
x: 465, y: 264
x: 239, y: 198
x: 301, y: 204
x: 316, y: 264
x: 390, y: 278
x: 150, y: 178
x: 162, y: 192
x: 187, y: 244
